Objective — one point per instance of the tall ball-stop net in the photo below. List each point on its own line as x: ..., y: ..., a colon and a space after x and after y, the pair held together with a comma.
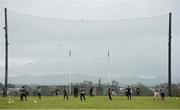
x: 59, y: 50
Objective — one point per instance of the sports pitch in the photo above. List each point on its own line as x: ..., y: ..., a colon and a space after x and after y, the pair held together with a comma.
x: 98, y: 102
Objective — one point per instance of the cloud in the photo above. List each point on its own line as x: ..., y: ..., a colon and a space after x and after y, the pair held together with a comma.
x: 147, y: 77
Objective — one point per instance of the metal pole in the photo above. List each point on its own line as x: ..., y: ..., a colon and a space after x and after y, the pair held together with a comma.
x: 6, y: 54
x: 70, y: 71
x: 109, y: 79
x: 169, y: 55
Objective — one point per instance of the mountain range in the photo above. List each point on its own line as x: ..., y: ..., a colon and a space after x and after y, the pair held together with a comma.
x: 60, y: 79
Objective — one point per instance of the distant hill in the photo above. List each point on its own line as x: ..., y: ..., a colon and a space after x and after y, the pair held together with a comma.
x: 59, y: 79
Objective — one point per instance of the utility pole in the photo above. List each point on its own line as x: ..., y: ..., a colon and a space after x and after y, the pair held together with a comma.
x: 169, y: 55
x: 6, y: 54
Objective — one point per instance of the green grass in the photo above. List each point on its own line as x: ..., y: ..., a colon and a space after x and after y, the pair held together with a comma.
x: 98, y: 102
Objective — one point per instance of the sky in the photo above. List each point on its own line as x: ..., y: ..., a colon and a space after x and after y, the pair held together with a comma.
x: 41, y: 53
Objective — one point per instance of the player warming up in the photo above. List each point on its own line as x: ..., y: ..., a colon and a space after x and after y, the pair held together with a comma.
x: 109, y: 93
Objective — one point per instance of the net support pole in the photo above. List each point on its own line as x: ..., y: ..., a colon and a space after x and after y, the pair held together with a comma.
x: 169, y: 55
x: 6, y: 55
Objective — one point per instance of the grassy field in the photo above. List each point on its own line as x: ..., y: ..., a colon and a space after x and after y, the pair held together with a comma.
x: 98, y: 102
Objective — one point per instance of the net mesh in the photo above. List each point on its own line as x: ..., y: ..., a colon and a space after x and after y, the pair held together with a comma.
x: 40, y: 46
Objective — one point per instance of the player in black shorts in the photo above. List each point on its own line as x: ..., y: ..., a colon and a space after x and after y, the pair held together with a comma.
x: 91, y: 92
x: 109, y: 91
x: 162, y: 92
x: 23, y: 93
x: 39, y: 92
x: 65, y: 94
x: 137, y: 91
x: 82, y: 95
x: 129, y: 93
x: 57, y: 92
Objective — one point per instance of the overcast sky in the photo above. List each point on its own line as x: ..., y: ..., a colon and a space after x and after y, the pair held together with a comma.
x: 142, y: 57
